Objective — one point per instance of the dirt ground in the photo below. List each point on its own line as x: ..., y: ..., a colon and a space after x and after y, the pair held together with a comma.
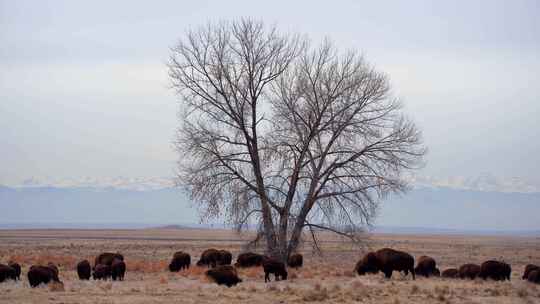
x: 323, y: 279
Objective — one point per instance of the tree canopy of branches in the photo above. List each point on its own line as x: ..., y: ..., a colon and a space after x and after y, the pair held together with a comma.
x: 276, y: 132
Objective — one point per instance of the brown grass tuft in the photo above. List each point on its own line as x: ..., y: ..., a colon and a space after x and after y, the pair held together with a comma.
x: 522, y: 293
x: 56, y: 286
x: 146, y: 266
x: 62, y: 261
x: 316, y: 295
x: 106, y: 286
x: 348, y: 273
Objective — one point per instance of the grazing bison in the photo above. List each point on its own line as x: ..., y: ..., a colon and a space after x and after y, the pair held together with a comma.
x: 426, y: 266
x: 450, y: 273
x: 210, y: 257
x: 17, y: 268
x: 368, y: 264
x: 118, y: 269
x: 224, y: 275
x: 528, y: 269
x: 180, y: 260
x: 106, y: 258
x: 295, y: 260
x: 534, y: 276
x: 7, y: 273
x: 101, y: 272
x: 84, y: 270
x: 470, y: 271
x: 495, y: 270
x: 42, y: 274
x: 225, y: 257
x: 386, y: 260
x: 275, y: 267
x: 249, y: 259
x: 53, y: 267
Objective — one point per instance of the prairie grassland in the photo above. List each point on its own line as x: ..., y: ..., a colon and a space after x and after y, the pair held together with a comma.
x: 324, y: 279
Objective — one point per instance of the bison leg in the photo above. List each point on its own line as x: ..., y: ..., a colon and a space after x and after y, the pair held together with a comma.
x: 266, y: 277
x: 388, y: 274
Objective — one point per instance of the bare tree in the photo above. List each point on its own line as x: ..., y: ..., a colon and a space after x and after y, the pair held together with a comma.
x: 284, y: 135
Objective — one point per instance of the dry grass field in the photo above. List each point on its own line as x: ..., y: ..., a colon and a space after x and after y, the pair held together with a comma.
x: 324, y: 279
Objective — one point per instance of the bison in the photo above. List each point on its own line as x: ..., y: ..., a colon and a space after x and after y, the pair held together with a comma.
x: 42, y: 274
x: 17, y: 268
x: 106, y: 258
x: 275, y: 267
x: 295, y: 260
x: 7, y: 273
x: 224, y: 275
x: 528, y: 269
x: 225, y: 257
x: 180, y: 260
x: 426, y: 266
x: 102, y: 272
x: 495, y: 270
x: 249, y: 259
x: 470, y: 271
x: 118, y: 269
x: 450, y: 273
x: 210, y: 257
x: 386, y: 260
x: 53, y: 267
x: 534, y: 276
x: 84, y: 270
x: 368, y: 264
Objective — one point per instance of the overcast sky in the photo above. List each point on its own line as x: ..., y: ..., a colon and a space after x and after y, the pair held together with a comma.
x: 83, y: 85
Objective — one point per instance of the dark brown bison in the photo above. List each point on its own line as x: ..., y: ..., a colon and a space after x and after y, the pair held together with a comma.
x: 180, y: 260
x: 17, y: 268
x: 42, y: 274
x: 118, y: 270
x: 84, y: 270
x: 495, y: 270
x: 386, y: 260
x: 275, y: 267
x: 106, y: 258
x: 101, y: 272
x: 210, y: 257
x: 470, y: 271
x: 450, y: 273
x: 224, y: 275
x: 426, y: 266
x: 528, y: 269
x: 295, y: 260
x: 7, y: 273
x: 368, y: 264
x: 534, y: 276
x: 249, y: 259
x: 225, y: 257
x: 53, y: 267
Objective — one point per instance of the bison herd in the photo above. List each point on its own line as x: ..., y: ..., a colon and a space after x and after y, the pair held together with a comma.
x: 388, y: 260
x: 109, y: 265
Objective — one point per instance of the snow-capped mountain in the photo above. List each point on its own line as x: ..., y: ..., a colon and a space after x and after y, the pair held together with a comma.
x: 127, y: 183
x: 486, y: 183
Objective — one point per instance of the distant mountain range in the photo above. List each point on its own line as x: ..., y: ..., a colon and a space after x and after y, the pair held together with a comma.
x: 423, y: 209
x: 488, y: 183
